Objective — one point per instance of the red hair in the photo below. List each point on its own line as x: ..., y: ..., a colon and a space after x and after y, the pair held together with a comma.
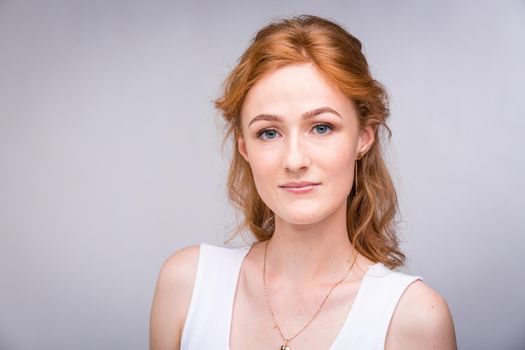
x: 372, y: 210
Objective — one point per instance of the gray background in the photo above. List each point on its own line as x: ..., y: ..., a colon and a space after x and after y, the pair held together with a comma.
x: 110, y: 154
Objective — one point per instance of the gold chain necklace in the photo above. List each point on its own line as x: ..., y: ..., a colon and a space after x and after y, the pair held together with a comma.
x: 286, y: 345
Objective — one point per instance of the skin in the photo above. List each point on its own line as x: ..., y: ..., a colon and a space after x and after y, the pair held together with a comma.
x: 309, y: 250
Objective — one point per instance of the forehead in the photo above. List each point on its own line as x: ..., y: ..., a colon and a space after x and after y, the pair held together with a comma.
x: 292, y: 90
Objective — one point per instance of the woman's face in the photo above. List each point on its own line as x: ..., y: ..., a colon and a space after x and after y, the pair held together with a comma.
x: 300, y: 135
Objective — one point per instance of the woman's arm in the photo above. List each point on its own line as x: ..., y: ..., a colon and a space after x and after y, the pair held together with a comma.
x: 172, y: 299
x: 422, y: 320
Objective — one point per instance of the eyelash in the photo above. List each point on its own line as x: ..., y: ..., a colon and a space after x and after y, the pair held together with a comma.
x: 260, y: 133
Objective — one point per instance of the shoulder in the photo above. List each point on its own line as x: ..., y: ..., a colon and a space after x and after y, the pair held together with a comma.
x: 181, y: 266
x: 177, y: 274
x: 421, y: 320
x: 172, y: 297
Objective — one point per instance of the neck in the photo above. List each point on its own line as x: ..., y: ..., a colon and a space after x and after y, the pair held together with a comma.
x: 302, y: 254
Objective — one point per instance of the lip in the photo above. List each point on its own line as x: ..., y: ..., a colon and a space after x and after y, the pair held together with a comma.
x: 300, y: 187
x: 299, y: 184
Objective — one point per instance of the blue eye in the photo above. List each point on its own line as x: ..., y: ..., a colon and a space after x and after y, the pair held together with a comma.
x: 322, y: 128
x: 268, y: 133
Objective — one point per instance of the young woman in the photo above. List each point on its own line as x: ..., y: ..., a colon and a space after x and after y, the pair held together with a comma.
x: 307, y: 171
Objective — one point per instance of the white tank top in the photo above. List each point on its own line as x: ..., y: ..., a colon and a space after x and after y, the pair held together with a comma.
x: 207, y: 325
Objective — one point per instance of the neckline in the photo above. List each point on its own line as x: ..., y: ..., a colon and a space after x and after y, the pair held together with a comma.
x: 349, y: 315
x: 352, y: 311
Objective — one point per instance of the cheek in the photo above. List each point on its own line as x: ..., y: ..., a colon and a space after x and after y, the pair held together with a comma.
x: 264, y: 163
x: 338, y: 165
x: 339, y: 154
x: 344, y: 161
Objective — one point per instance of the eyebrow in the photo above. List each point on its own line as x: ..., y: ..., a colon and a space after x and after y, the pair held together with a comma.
x: 306, y: 115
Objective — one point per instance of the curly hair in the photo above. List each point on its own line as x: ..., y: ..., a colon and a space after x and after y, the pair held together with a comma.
x: 371, y: 212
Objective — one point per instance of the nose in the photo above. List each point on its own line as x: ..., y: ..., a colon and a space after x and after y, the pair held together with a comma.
x: 295, y: 157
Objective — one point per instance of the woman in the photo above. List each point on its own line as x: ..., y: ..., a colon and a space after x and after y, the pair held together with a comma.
x: 307, y: 172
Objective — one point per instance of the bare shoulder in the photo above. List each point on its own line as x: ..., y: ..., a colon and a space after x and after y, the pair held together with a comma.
x: 181, y: 266
x: 172, y: 298
x: 422, y: 320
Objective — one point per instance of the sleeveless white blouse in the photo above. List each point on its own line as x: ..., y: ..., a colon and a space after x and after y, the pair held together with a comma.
x: 207, y: 325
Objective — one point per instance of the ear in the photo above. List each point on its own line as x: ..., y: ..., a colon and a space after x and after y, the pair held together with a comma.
x: 241, y: 146
x: 366, y: 139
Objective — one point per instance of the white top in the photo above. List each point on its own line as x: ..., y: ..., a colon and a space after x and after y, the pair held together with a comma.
x: 207, y: 325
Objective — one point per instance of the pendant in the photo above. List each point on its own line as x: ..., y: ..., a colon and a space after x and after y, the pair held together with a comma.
x: 286, y: 347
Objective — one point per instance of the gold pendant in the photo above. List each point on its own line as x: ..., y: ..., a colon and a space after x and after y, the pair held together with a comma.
x: 286, y: 347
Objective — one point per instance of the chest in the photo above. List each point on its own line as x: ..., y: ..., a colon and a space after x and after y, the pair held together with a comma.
x: 228, y: 311
x: 253, y: 325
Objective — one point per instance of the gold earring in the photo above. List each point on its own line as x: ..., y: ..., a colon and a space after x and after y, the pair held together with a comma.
x: 355, y: 171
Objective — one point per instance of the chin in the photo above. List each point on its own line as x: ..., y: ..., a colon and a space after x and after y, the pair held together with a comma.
x: 303, y: 217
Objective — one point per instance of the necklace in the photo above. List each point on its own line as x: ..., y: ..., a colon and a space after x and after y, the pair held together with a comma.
x: 286, y: 345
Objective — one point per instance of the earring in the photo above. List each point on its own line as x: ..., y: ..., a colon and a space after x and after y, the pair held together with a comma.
x: 359, y: 156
